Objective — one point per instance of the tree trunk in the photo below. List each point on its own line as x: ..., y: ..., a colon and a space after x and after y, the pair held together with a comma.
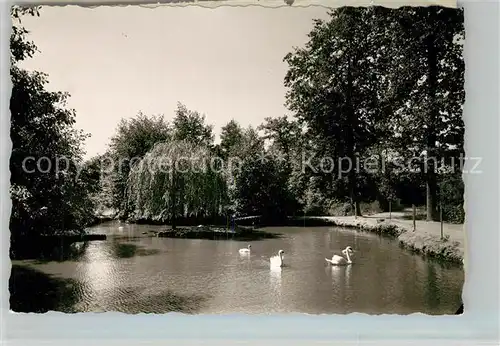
x: 357, y: 208
x: 351, y: 143
x: 432, y: 116
x: 173, y: 200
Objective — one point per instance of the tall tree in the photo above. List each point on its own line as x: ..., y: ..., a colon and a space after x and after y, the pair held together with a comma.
x: 429, y: 41
x: 261, y: 189
x: 334, y: 88
x: 50, y: 186
x: 133, y: 139
x: 283, y: 133
x: 231, y: 139
x: 286, y: 147
x: 190, y: 125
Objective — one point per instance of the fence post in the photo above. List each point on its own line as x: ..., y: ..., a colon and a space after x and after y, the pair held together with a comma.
x: 441, y: 219
x: 414, y: 218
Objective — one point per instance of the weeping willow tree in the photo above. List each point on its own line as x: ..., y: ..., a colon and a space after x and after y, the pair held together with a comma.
x: 176, y: 179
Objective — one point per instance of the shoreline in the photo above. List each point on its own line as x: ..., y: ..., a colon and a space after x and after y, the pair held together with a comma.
x: 217, y: 233
x: 425, y: 240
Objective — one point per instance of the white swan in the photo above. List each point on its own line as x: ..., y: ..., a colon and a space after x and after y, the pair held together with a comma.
x: 277, y: 261
x: 246, y: 251
x: 339, y: 260
x: 120, y: 228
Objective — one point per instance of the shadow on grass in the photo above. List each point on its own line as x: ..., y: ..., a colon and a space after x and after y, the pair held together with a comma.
x: 34, y: 291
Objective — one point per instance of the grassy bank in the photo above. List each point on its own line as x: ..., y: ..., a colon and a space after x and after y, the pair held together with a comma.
x: 425, y: 239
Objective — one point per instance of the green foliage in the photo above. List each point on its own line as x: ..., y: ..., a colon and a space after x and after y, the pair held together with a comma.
x: 20, y: 48
x: 381, y: 81
x: 452, y: 197
x: 53, y: 197
x: 261, y: 189
x: 133, y: 139
x: 231, y: 140
x: 286, y: 148
x: 284, y: 135
x: 429, y: 82
x: 190, y: 125
x: 136, y: 137
x: 370, y: 81
x: 334, y: 87
x: 315, y: 203
x: 175, y: 180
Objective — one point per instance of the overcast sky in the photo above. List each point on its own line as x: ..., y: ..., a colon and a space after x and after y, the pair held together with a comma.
x: 115, y: 61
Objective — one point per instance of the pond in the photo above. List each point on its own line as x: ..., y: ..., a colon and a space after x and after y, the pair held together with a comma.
x: 134, y: 272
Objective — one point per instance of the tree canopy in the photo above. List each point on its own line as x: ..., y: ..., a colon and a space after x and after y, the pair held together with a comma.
x: 370, y: 84
x: 51, y: 186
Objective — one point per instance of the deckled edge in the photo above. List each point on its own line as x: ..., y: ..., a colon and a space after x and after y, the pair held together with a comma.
x: 239, y: 3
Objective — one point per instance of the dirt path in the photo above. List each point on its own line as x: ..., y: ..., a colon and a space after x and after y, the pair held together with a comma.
x: 456, y: 232
x: 425, y: 239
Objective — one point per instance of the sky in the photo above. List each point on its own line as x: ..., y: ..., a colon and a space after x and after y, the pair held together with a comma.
x: 226, y: 63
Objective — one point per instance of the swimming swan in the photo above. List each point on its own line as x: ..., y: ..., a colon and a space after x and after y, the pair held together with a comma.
x: 246, y: 251
x: 277, y: 261
x: 339, y: 260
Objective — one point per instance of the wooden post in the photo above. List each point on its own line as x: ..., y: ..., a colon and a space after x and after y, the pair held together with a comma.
x: 414, y: 218
x: 441, y: 219
x: 390, y: 210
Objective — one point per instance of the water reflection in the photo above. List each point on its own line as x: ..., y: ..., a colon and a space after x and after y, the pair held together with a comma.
x: 34, y: 291
x: 276, y: 288
x: 340, y: 275
x: 245, y: 259
x: 127, y: 250
x: 50, y: 249
x: 432, y: 289
x: 275, y: 275
x: 100, y: 273
x: 151, y: 274
x: 348, y: 270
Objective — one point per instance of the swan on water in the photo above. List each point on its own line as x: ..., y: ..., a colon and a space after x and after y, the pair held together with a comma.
x: 245, y: 251
x: 277, y: 261
x: 339, y: 260
x: 120, y: 228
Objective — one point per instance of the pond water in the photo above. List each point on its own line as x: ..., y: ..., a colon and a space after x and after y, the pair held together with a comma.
x: 133, y: 272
